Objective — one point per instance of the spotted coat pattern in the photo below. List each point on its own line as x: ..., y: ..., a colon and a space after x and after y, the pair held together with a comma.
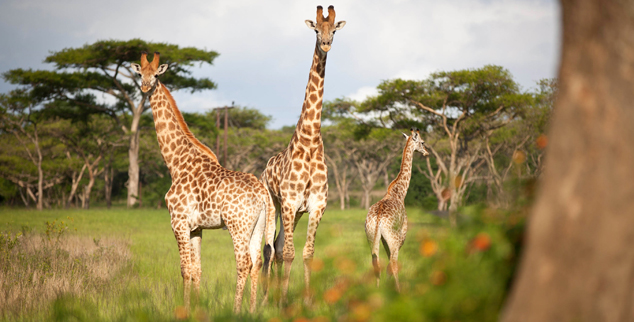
x: 387, y: 220
x: 204, y: 195
x: 297, y: 176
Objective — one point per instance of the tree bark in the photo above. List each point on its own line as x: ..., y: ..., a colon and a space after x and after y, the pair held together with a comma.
x: 108, y: 178
x: 578, y: 264
x: 133, y: 154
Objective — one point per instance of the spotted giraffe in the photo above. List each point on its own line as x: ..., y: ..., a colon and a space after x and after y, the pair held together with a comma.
x: 204, y: 195
x: 297, y: 176
x: 387, y: 220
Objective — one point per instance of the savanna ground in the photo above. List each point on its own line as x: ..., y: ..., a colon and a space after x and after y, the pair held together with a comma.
x: 98, y: 264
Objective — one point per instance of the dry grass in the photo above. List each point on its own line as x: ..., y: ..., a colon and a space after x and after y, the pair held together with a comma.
x: 37, y: 268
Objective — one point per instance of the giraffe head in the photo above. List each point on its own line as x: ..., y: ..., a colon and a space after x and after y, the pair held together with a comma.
x: 325, y: 27
x: 149, y: 72
x: 417, y: 141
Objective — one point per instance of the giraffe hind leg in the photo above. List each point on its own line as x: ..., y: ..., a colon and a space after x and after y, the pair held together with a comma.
x: 256, y: 257
x: 195, y: 262
x: 392, y: 246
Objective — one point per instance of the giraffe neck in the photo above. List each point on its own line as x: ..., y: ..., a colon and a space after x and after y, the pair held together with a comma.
x: 176, y: 141
x: 308, y: 130
x: 398, y: 187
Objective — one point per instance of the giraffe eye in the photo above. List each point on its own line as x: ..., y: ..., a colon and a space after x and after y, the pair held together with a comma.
x: 316, y: 31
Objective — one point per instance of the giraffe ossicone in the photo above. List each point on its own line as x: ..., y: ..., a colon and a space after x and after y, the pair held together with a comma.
x: 297, y: 177
x: 387, y: 220
x: 205, y: 195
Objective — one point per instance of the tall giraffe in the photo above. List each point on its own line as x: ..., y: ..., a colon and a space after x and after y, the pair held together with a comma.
x: 204, y: 195
x: 387, y: 220
x: 297, y: 176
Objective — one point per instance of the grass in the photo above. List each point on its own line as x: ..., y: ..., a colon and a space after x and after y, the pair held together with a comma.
x: 446, y: 274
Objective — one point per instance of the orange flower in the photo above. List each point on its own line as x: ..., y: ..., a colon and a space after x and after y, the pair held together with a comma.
x: 332, y: 295
x: 361, y: 312
x: 345, y: 265
x: 301, y: 319
x: 481, y: 242
x: 316, y: 265
x: 180, y: 312
x: 428, y: 248
x: 542, y: 141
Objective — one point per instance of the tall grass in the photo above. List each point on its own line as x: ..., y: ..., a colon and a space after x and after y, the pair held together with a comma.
x: 446, y: 274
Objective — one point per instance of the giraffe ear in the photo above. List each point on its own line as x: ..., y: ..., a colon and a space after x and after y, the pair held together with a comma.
x: 405, y: 135
x: 162, y: 69
x: 339, y: 25
x: 310, y: 24
x: 136, y: 68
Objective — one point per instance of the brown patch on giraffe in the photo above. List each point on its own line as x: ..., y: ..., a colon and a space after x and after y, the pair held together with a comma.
x: 160, y: 126
x: 310, y: 114
x: 312, y: 98
x: 304, y: 141
x: 319, y: 177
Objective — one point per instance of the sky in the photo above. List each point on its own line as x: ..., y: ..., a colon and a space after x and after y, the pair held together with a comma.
x: 266, y: 48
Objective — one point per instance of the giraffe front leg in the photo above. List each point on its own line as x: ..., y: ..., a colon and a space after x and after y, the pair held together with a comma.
x: 196, y: 271
x: 184, y: 250
x: 309, y: 249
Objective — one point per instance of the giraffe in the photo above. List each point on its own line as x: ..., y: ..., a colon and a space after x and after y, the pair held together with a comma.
x: 387, y: 220
x: 204, y: 195
x: 297, y: 176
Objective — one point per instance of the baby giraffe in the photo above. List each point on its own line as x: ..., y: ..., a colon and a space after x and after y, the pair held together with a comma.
x: 387, y: 220
x: 204, y: 195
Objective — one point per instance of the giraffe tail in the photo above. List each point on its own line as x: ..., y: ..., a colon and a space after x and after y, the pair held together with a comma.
x: 269, y: 249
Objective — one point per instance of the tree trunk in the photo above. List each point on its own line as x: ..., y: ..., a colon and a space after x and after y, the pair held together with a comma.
x: 40, y: 173
x: 133, y: 154
x: 578, y: 264
x: 109, y: 177
x: 87, y: 190
x: 75, y: 183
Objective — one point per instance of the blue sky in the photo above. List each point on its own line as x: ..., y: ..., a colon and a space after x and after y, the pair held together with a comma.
x: 266, y: 49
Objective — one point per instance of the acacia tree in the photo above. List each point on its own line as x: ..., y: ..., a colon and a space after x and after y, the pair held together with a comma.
x: 104, y: 67
x: 454, y: 107
x: 21, y: 116
x: 91, y: 142
x: 515, y: 152
x: 373, y: 153
x: 339, y: 147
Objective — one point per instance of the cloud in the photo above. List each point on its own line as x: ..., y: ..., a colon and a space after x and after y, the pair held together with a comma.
x: 363, y: 93
x: 266, y: 49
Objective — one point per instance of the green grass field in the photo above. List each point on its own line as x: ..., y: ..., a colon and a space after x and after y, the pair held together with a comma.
x: 445, y: 274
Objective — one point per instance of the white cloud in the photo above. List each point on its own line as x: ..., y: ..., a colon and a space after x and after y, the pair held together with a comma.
x: 363, y: 93
x: 265, y: 48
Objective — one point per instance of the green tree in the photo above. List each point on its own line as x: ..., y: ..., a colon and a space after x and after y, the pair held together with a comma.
x: 25, y: 127
x: 104, y: 67
x: 455, y: 107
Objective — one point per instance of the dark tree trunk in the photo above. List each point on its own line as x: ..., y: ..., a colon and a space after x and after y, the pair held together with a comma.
x: 578, y: 264
x: 109, y: 177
